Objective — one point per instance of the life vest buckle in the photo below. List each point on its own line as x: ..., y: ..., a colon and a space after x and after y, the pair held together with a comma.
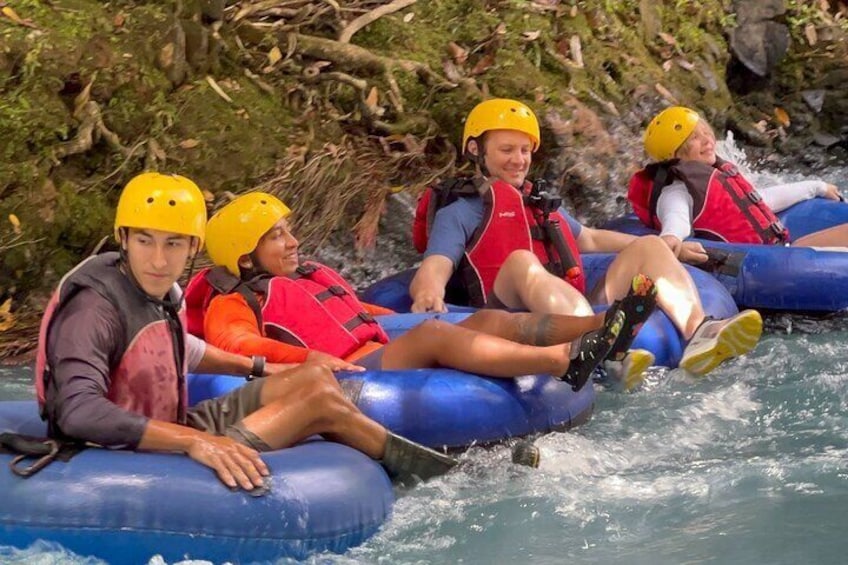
x: 305, y: 270
x: 755, y: 197
x: 337, y: 290
x: 779, y: 229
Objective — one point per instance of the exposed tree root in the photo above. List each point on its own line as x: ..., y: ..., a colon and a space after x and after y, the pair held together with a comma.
x: 372, y: 16
x: 90, y: 131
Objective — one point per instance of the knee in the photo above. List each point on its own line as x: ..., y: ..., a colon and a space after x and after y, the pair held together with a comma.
x: 324, y: 394
x: 431, y: 327
x: 520, y: 258
x: 518, y: 268
x: 652, y: 247
x: 649, y: 243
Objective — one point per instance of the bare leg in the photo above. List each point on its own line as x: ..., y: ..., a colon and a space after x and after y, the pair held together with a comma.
x: 523, y: 283
x: 435, y: 343
x: 530, y: 328
x: 309, y: 402
x: 837, y: 236
x: 676, y: 292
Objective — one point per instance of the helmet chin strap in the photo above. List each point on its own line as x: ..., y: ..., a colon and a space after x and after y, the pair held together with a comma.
x: 479, y: 158
x: 255, y: 269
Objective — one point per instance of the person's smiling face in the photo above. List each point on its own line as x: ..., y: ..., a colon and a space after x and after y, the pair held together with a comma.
x: 699, y: 146
x: 508, y: 155
x: 277, y: 250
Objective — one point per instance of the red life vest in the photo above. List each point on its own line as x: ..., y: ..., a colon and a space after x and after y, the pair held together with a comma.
x: 725, y: 205
x: 314, y: 308
x: 511, y: 221
x: 149, y: 379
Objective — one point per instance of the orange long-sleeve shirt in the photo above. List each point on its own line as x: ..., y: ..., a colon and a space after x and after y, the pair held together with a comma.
x: 231, y: 325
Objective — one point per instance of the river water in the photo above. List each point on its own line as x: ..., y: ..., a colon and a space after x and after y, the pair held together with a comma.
x: 748, y: 465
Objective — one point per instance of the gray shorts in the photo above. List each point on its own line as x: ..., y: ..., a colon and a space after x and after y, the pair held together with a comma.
x: 223, y: 416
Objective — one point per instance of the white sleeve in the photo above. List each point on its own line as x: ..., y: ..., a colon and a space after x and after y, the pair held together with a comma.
x: 195, y: 350
x: 781, y: 196
x: 674, y: 210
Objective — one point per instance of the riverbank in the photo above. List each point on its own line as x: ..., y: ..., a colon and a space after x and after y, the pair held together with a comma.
x: 337, y: 106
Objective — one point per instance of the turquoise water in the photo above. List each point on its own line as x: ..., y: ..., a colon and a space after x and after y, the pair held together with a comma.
x: 749, y: 465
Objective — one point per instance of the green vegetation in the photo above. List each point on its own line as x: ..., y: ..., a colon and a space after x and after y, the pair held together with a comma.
x: 331, y: 129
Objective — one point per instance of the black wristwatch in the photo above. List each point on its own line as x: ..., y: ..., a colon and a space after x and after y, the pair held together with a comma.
x: 258, y: 369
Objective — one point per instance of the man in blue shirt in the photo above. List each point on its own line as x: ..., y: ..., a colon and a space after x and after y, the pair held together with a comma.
x: 500, y: 137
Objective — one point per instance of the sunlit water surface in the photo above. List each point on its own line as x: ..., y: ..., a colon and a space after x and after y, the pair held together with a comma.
x: 745, y: 466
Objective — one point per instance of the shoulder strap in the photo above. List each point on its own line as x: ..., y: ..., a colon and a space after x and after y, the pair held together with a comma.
x: 224, y: 282
x: 661, y: 180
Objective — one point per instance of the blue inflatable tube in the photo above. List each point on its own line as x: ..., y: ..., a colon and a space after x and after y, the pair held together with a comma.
x: 126, y: 507
x: 446, y: 408
x: 777, y: 277
x: 657, y: 335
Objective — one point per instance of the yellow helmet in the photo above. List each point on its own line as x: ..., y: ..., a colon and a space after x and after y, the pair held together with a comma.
x: 501, y: 113
x: 236, y: 229
x: 668, y: 130
x: 162, y: 202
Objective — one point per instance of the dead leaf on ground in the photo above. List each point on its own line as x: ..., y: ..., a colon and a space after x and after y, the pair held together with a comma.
x: 782, y: 116
x: 531, y: 35
x: 457, y: 53
x: 373, y: 97
x: 12, y: 15
x: 7, y: 320
x: 484, y: 64
x: 667, y: 65
x: 408, y: 17
x: 16, y: 224
x: 668, y: 38
x: 665, y: 93
x: 811, y: 34
x: 118, y: 20
x: 761, y: 126
x: 274, y: 55
x: 190, y: 143
x: 573, y: 12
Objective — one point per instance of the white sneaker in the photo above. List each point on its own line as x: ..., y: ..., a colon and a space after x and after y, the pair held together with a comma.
x: 629, y: 373
x: 717, y: 340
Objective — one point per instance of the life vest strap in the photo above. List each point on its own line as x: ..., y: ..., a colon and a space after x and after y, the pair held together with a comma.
x: 358, y: 320
x: 304, y: 271
x: 331, y: 292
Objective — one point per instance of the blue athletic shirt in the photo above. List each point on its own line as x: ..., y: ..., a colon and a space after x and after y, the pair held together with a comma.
x: 454, y: 225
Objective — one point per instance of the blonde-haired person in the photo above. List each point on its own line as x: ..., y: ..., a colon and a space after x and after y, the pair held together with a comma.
x: 689, y: 190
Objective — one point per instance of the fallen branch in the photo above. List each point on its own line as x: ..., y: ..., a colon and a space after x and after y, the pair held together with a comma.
x: 372, y: 16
